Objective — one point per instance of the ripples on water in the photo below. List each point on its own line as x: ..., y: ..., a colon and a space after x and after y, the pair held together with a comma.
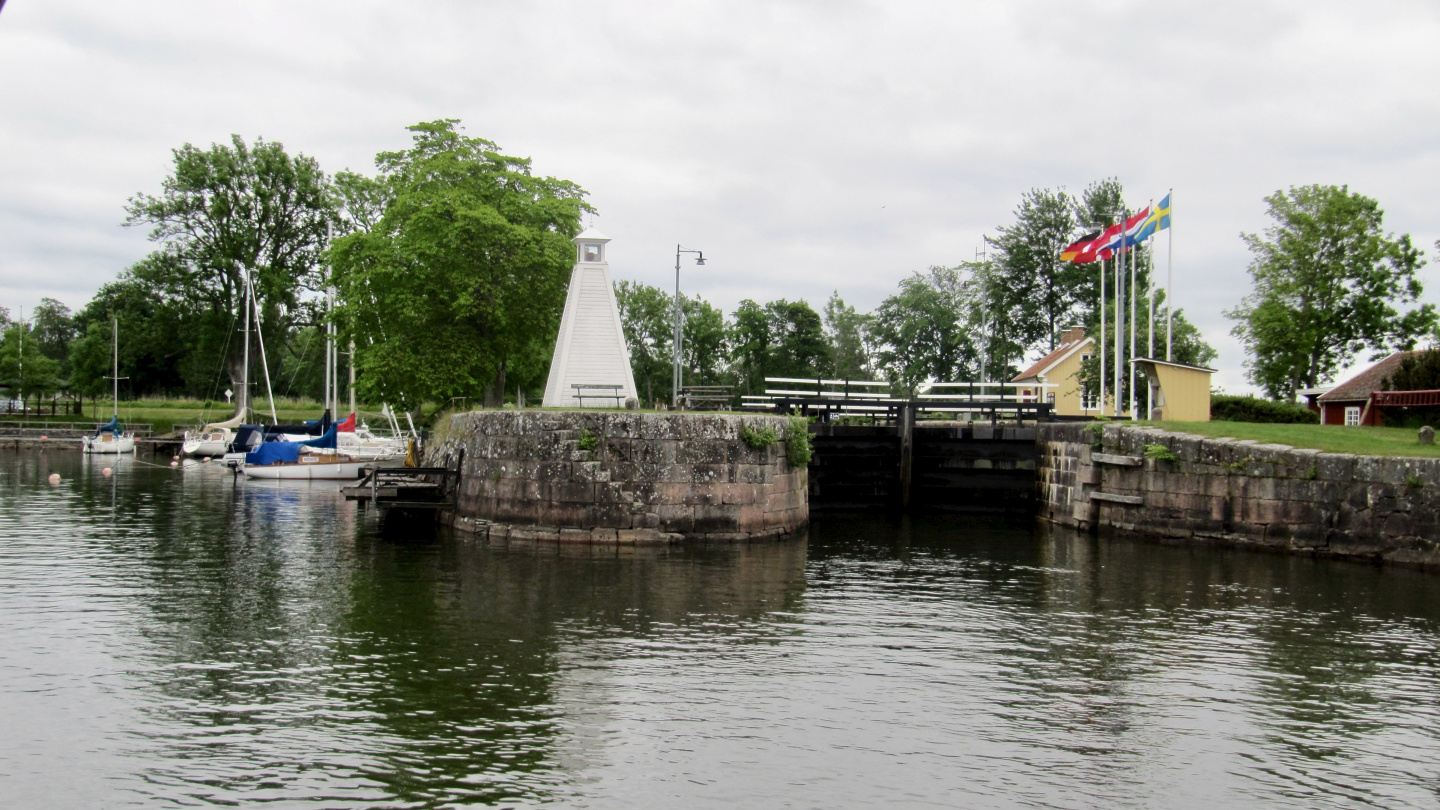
x: 173, y: 638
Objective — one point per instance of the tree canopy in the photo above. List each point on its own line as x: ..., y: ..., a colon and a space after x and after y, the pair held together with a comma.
x: 224, y: 211
x: 461, y: 281
x: 1329, y: 283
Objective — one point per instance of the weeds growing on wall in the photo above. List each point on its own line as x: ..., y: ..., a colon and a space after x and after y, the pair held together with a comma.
x: 797, y: 442
x: 761, y: 438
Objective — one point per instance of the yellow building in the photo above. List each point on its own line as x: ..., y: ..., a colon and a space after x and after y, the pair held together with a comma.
x: 1055, y: 377
x: 1179, y: 392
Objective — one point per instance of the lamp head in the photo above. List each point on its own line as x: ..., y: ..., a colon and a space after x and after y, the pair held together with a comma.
x: 700, y: 260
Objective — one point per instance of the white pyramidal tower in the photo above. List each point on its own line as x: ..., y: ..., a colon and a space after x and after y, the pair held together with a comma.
x: 590, y: 349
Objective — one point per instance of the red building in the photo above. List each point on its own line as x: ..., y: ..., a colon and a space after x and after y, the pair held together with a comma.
x: 1354, y: 402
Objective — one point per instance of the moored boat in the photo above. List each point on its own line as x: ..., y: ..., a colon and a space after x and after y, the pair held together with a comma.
x: 315, y: 460
x: 110, y: 438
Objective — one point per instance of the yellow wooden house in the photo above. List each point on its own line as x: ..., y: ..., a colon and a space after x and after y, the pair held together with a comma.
x: 1054, y: 378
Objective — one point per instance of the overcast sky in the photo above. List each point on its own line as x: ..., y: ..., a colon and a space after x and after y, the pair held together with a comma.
x: 804, y: 146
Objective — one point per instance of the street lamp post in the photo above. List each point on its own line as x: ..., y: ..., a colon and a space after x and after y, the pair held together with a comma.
x: 677, y: 377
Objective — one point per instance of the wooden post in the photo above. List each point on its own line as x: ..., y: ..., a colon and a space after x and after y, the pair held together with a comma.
x: 907, y: 450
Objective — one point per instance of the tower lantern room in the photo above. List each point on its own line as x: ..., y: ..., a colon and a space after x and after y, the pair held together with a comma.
x: 590, y: 247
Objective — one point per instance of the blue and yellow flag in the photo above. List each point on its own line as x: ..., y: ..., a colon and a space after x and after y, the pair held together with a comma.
x: 1158, y: 220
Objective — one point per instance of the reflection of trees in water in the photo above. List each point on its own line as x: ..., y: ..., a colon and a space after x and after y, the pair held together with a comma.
x: 458, y: 650
x: 1110, y: 658
x: 1286, y: 659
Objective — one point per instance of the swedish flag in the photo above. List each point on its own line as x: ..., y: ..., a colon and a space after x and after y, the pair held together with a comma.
x: 1158, y: 220
x: 1162, y: 214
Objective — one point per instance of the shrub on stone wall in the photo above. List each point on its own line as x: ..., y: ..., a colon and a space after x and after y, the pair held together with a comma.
x: 797, y: 442
x: 1225, y: 408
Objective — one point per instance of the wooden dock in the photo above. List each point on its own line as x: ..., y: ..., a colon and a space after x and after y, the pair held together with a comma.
x: 407, y: 488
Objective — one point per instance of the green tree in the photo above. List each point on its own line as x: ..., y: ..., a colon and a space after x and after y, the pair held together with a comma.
x: 780, y: 339
x: 704, y: 352
x: 222, y: 212
x: 24, y: 368
x: 846, y: 330
x: 1328, y: 284
x: 921, y: 332
x: 647, y: 316
x: 54, y: 329
x: 1041, y: 291
x: 460, y: 283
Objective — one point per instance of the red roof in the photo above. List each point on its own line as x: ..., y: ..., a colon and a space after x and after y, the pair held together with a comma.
x: 1359, y: 387
x: 1069, y: 339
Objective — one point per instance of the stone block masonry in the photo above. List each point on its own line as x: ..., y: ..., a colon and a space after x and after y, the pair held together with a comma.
x: 626, y: 478
x: 1241, y: 493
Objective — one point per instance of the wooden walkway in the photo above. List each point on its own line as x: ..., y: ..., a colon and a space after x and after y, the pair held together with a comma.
x: 410, y: 488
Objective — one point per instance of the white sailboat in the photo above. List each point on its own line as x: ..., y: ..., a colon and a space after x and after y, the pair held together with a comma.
x: 112, y: 438
x: 212, y: 439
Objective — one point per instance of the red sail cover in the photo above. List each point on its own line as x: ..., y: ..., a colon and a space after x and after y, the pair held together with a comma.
x: 348, y: 426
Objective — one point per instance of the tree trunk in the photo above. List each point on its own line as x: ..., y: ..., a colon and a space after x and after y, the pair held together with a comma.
x: 235, y: 365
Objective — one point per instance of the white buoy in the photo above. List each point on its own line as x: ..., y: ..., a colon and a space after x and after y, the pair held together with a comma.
x: 106, y: 472
x: 174, y: 464
x: 54, y: 478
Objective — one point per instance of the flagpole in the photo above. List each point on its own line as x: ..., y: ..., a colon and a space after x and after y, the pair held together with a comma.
x: 1169, y: 275
x: 1119, y: 315
x: 1133, y: 415
x: 1102, y: 336
x: 1150, y: 314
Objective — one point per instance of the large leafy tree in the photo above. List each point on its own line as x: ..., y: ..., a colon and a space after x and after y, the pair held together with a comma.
x: 158, y: 336
x: 225, y: 211
x: 54, y: 329
x: 921, y: 332
x: 1329, y: 283
x: 460, y: 282
x: 1040, y: 290
x: 779, y: 339
x: 647, y: 314
x: 24, y: 368
x: 847, y: 331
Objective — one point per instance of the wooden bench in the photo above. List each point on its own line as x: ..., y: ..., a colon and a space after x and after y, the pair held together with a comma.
x: 706, y: 397
x: 616, y: 393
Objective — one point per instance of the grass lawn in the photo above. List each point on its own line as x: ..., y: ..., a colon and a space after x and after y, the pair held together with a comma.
x: 178, y: 415
x: 1369, y: 441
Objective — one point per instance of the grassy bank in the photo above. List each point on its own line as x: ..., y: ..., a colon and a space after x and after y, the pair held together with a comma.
x: 1370, y: 441
x: 178, y: 415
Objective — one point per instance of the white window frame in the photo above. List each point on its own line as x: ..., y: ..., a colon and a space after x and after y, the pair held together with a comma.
x: 1352, y: 415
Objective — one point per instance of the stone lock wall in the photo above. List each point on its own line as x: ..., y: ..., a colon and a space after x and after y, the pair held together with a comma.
x: 649, y: 478
x: 1242, y: 493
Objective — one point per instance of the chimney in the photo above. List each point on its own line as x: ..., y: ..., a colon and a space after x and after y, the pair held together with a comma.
x: 1071, y: 335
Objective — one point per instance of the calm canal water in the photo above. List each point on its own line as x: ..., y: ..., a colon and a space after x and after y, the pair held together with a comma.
x: 173, y: 638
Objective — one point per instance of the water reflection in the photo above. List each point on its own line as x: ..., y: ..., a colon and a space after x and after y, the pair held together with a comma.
x: 177, y: 635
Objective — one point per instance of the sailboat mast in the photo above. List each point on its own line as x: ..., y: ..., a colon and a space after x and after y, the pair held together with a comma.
x: 115, y: 366
x: 350, y: 364
x: 245, y: 381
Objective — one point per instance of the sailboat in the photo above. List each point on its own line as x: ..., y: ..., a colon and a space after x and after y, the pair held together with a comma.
x: 212, y: 439
x: 112, y: 438
x: 317, y: 459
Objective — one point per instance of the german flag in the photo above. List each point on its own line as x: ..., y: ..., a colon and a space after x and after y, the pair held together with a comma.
x: 1077, y: 251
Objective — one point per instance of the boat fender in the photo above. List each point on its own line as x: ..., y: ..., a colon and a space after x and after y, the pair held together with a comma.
x: 54, y: 478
